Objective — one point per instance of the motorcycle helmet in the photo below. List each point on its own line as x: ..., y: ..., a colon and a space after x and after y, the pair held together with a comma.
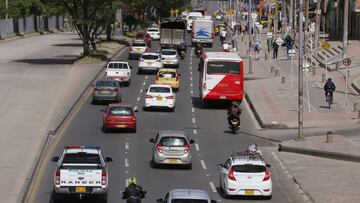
x: 132, y: 180
x: 235, y: 104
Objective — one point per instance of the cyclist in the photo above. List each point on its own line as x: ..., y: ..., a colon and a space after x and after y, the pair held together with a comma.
x: 329, y: 88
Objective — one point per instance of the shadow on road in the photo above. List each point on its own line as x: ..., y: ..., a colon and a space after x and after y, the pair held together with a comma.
x: 48, y: 61
x: 68, y: 45
x: 196, y: 101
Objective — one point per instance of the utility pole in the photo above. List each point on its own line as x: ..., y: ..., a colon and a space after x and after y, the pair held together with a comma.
x: 250, y: 38
x: 301, y: 61
x: 291, y: 15
x: 317, y: 24
x: 284, y: 15
x: 276, y: 17
x: 346, y: 27
x: 6, y: 16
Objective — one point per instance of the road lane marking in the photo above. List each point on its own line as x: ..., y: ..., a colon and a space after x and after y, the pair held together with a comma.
x: 192, y: 109
x: 191, y: 84
x: 146, y: 77
x: 212, y: 186
x: 203, y: 164
x: 207, y: 175
x: 191, y: 78
x: 195, y: 132
x: 193, y: 119
x: 126, y: 145
x: 191, y: 92
x: 197, y: 147
x: 135, y: 108
x: 126, y: 182
x: 126, y: 163
x: 191, y: 73
x: 141, y: 90
x: 138, y: 99
x: 144, y: 83
x: 308, y: 96
x: 252, y: 116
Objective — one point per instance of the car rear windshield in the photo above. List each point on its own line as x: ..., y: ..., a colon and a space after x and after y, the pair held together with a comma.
x: 139, y: 45
x: 121, y: 111
x: 153, y: 30
x: 167, y: 74
x: 221, y: 67
x: 248, y: 168
x: 81, y: 158
x: 160, y: 89
x: 173, y: 142
x: 168, y: 52
x: 189, y: 201
x: 106, y: 84
x: 118, y: 66
x: 150, y: 57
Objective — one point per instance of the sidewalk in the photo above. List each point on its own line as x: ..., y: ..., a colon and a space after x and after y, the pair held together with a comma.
x: 331, y: 173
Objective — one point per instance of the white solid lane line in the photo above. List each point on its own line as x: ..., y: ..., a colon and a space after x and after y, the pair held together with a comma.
x: 126, y: 145
x: 195, y: 132
x: 126, y: 162
x: 212, y: 186
x: 197, y: 147
x: 203, y: 164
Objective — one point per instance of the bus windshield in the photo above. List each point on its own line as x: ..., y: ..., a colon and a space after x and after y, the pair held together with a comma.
x: 221, y: 67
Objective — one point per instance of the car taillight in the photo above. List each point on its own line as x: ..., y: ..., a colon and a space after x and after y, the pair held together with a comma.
x: 267, y: 175
x: 57, y: 178
x: 159, y: 148
x: 116, y: 90
x: 130, y: 49
x: 177, y: 78
x: 192, y: 34
x: 212, y: 35
x: 146, y: 49
x: 157, y: 78
x: 187, y: 149
x: 231, y: 175
x: 95, y: 90
x: 169, y: 97
x: 148, y: 96
x: 103, y: 178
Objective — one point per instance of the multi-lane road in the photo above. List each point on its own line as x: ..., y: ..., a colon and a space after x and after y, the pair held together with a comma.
x: 132, y: 152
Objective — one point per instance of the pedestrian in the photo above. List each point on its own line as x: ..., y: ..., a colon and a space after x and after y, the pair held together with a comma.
x: 233, y: 40
x: 257, y: 49
x: 275, y: 49
x: 289, y: 45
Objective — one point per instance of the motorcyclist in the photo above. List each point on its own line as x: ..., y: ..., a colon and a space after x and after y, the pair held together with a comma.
x: 329, y: 87
x: 234, y: 111
x: 198, y: 46
x: 133, y: 192
x: 182, y: 47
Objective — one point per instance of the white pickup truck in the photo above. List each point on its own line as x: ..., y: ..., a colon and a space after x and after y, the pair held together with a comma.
x: 81, y: 171
x: 120, y: 71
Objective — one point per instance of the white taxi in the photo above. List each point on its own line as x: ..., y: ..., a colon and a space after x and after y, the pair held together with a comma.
x: 150, y: 61
x: 160, y: 96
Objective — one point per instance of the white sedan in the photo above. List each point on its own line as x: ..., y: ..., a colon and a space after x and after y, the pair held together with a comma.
x: 154, y: 33
x: 150, y: 61
x: 160, y: 96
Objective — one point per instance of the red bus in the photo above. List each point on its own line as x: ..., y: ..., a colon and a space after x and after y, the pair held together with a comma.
x: 221, y: 77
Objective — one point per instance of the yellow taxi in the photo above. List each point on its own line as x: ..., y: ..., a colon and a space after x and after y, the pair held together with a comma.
x: 220, y: 27
x: 168, y: 76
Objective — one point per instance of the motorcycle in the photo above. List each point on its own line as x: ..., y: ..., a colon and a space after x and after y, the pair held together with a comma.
x: 234, y: 124
x: 182, y: 54
x: 133, y: 199
x: 198, y: 53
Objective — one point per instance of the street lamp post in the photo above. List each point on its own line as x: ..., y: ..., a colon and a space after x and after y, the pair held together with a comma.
x: 6, y: 16
x: 301, y: 61
x: 250, y: 37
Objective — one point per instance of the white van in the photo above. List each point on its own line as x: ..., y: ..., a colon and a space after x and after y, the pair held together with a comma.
x: 203, y: 32
x: 192, y: 16
x: 120, y: 71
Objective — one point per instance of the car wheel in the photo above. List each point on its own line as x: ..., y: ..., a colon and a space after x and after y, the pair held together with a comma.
x: 139, y: 71
x: 189, y: 166
x: 57, y: 198
x: 128, y: 83
x: 103, y: 198
x: 105, y: 130
x: 133, y: 130
x: 268, y: 197
x: 153, y: 164
x: 172, y: 109
x: 93, y: 102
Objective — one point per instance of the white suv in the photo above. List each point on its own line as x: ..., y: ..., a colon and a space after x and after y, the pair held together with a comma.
x: 154, y: 33
x: 246, y: 174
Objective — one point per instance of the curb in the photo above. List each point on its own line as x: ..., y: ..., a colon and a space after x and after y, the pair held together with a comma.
x: 24, y: 193
x: 319, y: 153
x: 258, y: 118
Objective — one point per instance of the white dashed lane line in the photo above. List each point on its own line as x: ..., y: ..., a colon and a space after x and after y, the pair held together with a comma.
x: 197, y: 147
x: 203, y: 164
x: 144, y: 83
x: 195, y: 132
x: 141, y: 90
x: 192, y: 109
x: 213, y: 188
x: 193, y: 120
x: 126, y: 163
x: 126, y: 145
x: 135, y: 108
x: 146, y: 77
x: 138, y: 99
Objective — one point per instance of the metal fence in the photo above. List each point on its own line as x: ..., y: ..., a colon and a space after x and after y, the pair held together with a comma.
x: 30, y: 24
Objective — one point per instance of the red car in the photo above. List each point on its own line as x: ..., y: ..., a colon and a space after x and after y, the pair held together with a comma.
x: 144, y: 36
x: 119, y: 116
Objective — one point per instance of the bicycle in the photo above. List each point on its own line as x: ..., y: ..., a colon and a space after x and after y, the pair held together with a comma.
x: 329, y: 98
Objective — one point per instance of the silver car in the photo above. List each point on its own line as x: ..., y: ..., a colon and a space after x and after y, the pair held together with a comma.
x: 186, y: 196
x: 170, y: 57
x: 106, y: 90
x: 171, y: 147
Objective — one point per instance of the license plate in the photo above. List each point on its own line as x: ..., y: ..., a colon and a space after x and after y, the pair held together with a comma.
x: 120, y: 126
x: 137, y: 49
x: 172, y: 161
x: 80, y: 189
x: 167, y: 62
x: 105, y: 92
x: 149, y: 63
x: 249, y: 192
x: 234, y: 122
x: 159, y: 98
x: 222, y: 97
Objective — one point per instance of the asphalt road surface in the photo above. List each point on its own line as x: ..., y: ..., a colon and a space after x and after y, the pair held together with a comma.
x: 132, y: 152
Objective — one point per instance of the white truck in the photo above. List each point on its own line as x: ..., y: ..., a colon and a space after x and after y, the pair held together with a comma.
x: 172, y: 33
x: 81, y: 171
x: 203, y: 32
x: 190, y: 18
x: 120, y: 71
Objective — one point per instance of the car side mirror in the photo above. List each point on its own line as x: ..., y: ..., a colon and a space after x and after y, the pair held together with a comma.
x: 160, y: 200
x: 213, y: 201
x: 108, y: 159
x: 268, y: 165
x: 192, y: 141
x: 152, y: 140
x: 221, y: 165
x: 55, y: 159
